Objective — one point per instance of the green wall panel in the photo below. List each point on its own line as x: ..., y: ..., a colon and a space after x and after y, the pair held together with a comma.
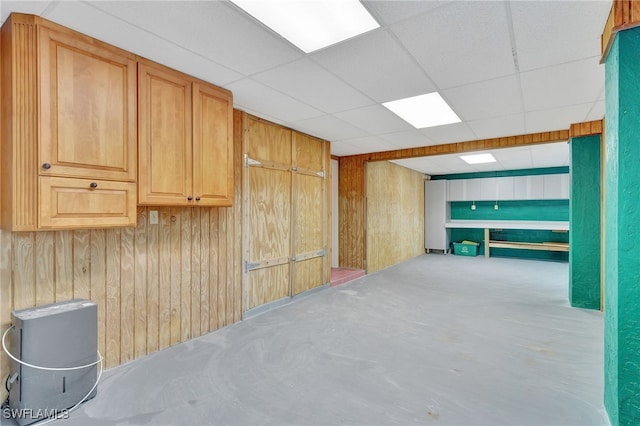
x: 622, y: 230
x: 504, y: 173
x: 511, y: 210
x: 584, y: 209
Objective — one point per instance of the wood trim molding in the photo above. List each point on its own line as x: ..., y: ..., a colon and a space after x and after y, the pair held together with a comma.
x: 459, y: 147
x: 335, y: 157
x: 624, y: 14
x: 588, y: 128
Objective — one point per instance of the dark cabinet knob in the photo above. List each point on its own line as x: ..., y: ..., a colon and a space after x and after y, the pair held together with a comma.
x: 46, y: 166
x: 93, y: 185
x: 189, y: 198
x: 198, y: 198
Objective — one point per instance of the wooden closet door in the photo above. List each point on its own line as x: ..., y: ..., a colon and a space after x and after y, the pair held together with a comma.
x: 267, y: 229
x: 87, y: 108
x: 309, y: 212
x: 165, y: 162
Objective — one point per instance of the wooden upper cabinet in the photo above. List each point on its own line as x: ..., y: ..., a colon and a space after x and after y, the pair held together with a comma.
x: 87, y: 108
x: 69, y: 129
x: 185, y: 139
x: 164, y: 144
x: 212, y: 145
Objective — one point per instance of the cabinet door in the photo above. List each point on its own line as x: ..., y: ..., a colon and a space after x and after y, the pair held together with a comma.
x: 164, y: 176
x: 556, y: 187
x: 212, y: 146
x: 456, y: 190
x: 68, y: 203
x: 87, y: 108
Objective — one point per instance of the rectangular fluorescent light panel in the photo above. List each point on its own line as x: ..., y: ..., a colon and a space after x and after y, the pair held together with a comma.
x: 422, y: 111
x: 311, y: 24
x: 478, y: 158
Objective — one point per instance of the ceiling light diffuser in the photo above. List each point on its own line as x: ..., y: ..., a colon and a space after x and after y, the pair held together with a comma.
x: 478, y: 158
x: 422, y: 111
x: 311, y: 24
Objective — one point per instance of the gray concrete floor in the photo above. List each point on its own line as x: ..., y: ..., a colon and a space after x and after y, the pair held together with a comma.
x: 437, y: 340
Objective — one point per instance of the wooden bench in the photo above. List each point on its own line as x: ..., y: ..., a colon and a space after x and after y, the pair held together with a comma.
x: 549, y: 246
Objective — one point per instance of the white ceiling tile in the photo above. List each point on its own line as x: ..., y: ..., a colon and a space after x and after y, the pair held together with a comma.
x: 562, y: 85
x: 342, y: 148
x: 491, y: 98
x: 450, y: 133
x: 544, y: 36
x: 103, y: 26
x: 460, y: 43
x: 596, y: 112
x: 553, y: 155
x: 309, y: 83
x: 32, y: 7
x: 251, y: 95
x: 215, y: 29
x: 408, y: 139
x: 328, y: 127
x: 558, y: 118
x: 508, y: 125
x: 375, y: 119
x: 392, y: 11
x: 513, y: 159
x: 376, y: 64
x: 369, y: 144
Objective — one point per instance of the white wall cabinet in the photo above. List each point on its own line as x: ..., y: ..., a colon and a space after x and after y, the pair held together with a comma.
x: 494, y: 189
x: 528, y: 187
x: 536, y: 187
x: 437, y: 213
x: 555, y: 187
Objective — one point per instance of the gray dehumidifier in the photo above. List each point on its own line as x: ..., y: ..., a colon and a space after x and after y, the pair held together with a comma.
x: 57, y: 335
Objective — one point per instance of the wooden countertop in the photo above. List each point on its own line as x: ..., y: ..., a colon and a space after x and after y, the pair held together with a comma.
x: 551, y: 225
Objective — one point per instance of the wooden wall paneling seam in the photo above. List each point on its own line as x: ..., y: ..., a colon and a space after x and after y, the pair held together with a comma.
x: 222, y: 268
x: 154, y: 260
x: 214, y: 278
x: 98, y: 279
x: 187, y: 260
x: 206, y: 309
x: 293, y: 241
x: 196, y: 262
x: 141, y: 285
x: 113, y: 298
x: 127, y: 294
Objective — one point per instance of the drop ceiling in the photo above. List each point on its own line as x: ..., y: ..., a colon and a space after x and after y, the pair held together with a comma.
x: 505, y: 67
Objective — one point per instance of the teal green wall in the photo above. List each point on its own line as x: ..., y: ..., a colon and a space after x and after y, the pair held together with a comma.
x: 513, y: 210
x: 584, y: 213
x: 504, y: 173
x: 622, y: 230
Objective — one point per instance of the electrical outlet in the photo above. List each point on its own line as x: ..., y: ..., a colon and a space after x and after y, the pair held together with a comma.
x: 153, y: 217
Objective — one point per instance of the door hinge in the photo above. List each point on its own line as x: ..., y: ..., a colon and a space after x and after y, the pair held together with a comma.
x: 249, y: 266
x: 321, y: 174
x: 248, y: 161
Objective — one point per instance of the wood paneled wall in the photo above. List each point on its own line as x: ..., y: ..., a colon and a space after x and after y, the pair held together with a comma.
x: 351, y: 208
x: 155, y: 285
x: 352, y: 184
x: 395, y: 214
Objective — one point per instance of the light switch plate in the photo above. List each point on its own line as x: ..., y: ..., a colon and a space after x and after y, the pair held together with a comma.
x: 153, y: 217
